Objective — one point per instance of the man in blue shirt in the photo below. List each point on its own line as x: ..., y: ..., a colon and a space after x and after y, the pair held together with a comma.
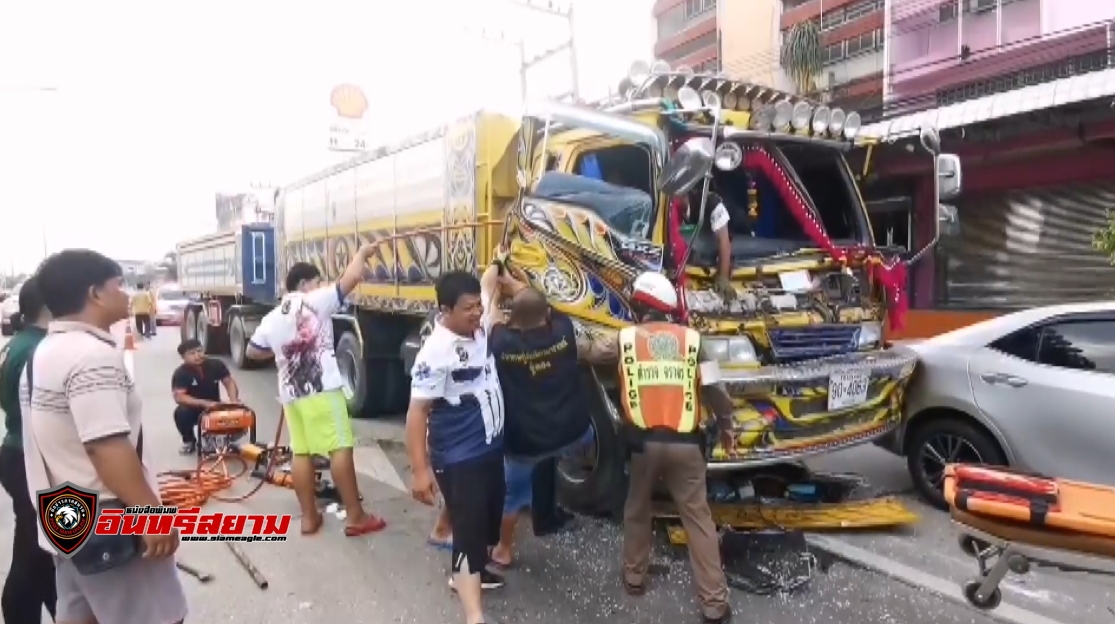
x: 455, y: 430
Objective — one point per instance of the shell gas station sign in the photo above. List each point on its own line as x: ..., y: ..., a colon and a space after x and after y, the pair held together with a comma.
x: 347, y: 132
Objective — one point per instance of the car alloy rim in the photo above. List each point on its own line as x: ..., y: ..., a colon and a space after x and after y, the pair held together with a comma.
x: 943, y: 449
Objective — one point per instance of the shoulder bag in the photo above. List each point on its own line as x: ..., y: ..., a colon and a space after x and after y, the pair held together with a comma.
x: 100, y: 552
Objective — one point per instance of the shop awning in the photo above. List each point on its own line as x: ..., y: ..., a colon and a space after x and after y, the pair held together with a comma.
x: 1059, y: 92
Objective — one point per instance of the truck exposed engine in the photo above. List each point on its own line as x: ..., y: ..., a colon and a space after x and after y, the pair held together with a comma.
x: 585, y: 199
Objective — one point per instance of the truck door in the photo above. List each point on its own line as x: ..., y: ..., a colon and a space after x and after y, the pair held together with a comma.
x: 258, y: 262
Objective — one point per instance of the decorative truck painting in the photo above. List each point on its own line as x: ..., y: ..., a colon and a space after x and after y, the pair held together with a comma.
x: 585, y: 199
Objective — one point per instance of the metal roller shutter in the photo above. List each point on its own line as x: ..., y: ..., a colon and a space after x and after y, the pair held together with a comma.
x: 1029, y: 248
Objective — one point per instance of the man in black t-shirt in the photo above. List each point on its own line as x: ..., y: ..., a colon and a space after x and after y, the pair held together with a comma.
x: 197, y: 385
x: 537, y: 356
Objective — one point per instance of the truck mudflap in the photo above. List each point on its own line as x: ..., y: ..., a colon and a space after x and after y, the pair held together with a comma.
x: 788, y: 412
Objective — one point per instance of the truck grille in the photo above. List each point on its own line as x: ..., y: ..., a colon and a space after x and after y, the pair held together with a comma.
x: 812, y: 342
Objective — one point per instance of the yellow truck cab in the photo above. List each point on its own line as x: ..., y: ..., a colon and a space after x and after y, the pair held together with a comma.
x: 586, y: 199
x: 607, y: 194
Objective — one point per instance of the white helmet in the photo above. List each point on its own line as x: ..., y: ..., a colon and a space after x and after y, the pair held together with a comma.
x: 655, y: 291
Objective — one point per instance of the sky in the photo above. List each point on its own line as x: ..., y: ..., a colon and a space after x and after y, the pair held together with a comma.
x: 120, y: 119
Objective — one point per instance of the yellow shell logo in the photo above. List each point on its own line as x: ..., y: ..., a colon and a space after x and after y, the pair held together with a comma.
x: 349, y: 101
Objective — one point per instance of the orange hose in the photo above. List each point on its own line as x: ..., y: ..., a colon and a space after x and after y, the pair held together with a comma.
x: 193, y: 488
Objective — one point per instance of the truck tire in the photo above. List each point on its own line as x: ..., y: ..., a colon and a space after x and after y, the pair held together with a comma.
x: 213, y: 340
x: 599, y: 488
x: 350, y: 361
x: 188, y: 330
x: 238, y: 344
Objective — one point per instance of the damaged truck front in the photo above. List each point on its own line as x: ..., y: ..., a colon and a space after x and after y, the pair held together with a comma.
x: 799, y: 331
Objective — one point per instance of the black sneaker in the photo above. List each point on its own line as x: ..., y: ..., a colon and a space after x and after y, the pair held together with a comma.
x: 488, y: 580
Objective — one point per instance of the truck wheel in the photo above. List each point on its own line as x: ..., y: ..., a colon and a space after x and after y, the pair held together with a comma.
x: 201, y: 331
x: 596, y: 481
x: 189, y: 325
x: 238, y: 344
x: 350, y: 361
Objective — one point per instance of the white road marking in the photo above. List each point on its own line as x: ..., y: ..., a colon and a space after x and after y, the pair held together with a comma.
x: 899, y: 571
x: 372, y: 462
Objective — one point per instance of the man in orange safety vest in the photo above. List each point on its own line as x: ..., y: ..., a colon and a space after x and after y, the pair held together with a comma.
x: 664, y: 379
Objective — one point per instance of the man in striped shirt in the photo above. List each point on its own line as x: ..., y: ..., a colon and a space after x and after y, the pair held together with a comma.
x: 84, y: 426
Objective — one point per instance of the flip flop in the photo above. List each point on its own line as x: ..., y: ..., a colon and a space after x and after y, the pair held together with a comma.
x: 499, y: 565
x: 440, y: 544
x: 371, y: 525
x: 315, y: 526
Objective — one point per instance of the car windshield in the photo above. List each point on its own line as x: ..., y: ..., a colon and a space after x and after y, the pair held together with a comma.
x: 172, y: 295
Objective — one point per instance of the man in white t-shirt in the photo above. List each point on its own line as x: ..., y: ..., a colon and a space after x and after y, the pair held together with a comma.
x: 718, y: 221
x: 455, y: 430
x: 299, y: 333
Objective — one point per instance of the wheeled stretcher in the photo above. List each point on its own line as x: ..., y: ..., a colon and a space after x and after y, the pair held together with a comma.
x: 1011, y: 522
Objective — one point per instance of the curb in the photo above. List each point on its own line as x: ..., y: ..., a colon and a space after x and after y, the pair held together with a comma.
x: 867, y: 560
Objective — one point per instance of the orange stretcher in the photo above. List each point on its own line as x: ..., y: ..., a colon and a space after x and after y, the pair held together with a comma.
x: 1010, y: 521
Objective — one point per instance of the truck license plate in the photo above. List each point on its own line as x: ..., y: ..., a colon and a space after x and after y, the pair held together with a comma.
x: 848, y: 389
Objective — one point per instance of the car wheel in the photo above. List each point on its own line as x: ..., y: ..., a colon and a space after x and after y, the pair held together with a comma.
x: 941, y: 441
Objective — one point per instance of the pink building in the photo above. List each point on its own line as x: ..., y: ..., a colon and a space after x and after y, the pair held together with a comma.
x: 945, y: 51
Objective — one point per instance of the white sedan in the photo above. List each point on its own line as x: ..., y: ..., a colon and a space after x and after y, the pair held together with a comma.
x: 1034, y: 390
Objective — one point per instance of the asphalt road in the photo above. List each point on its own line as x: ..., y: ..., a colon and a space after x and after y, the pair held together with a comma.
x: 393, y: 577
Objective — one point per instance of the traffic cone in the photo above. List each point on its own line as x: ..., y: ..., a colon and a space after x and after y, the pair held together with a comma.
x: 129, y: 349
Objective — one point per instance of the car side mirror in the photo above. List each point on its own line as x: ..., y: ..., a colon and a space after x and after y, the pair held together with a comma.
x: 949, y: 181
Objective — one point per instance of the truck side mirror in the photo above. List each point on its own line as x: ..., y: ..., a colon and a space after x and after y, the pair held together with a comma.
x: 688, y: 166
x: 949, y: 181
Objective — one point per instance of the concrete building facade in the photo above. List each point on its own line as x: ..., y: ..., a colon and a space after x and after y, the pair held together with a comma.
x: 686, y: 33
x: 947, y: 51
x: 743, y: 38
x: 1021, y: 90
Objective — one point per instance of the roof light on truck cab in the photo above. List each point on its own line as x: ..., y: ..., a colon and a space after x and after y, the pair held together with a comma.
x: 801, y: 115
x: 783, y: 113
x: 821, y: 118
x: 688, y: 99
x: 852, y: 125
x: 762, y: 118
x: 836, y: 122
x: 730, y: 350
x: 728, y: 156
x: 711, y: 100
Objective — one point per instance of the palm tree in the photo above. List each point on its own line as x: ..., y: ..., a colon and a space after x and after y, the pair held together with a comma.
x: 801, y: 55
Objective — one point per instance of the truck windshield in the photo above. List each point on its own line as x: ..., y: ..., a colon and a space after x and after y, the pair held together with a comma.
x: 774, y: 229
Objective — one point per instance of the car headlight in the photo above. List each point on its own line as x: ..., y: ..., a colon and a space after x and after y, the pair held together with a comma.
x: 730, y: 350
x: 869, y: 335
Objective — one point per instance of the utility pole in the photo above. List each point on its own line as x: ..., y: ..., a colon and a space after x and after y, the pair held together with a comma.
x: 544, y: 7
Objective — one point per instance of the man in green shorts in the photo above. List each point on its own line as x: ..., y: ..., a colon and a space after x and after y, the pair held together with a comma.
x: 299, y: 334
